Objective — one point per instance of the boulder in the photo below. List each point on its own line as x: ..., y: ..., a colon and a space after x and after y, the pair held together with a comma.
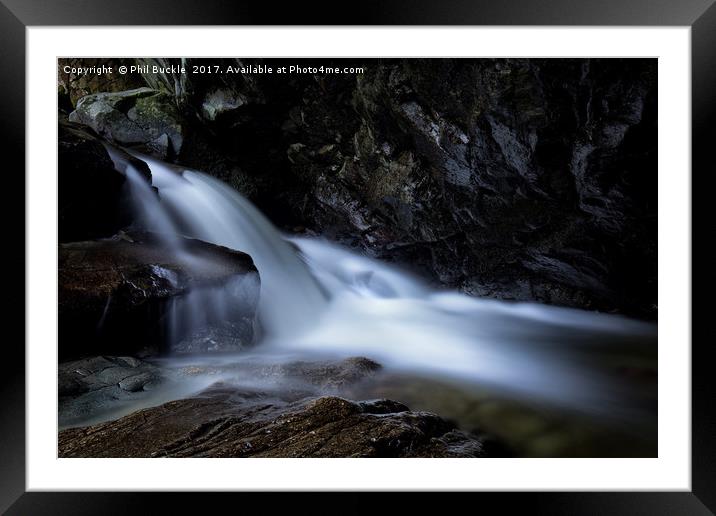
x: 304, y: 377
x: 135, y: 292
x: 142, y: 117
x: 71, y: 80
x: 93, y: 200
x: 92, y: 388
x: 219, y: 102
x: 225, y: 421
x: 326, y: 376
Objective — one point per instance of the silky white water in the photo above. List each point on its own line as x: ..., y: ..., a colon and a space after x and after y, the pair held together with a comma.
x: 209, y: 210
x: 317, y: 297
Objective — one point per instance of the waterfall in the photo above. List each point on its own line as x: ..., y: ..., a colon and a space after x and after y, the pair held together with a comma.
x: 207, y: 209
x: 151, y: 214
x: 317, y: 297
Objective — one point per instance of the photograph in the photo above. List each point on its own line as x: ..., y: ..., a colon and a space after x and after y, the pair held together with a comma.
x: 399, y: 257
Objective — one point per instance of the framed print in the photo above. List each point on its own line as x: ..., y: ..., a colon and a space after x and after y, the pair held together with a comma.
x: 439, y: 249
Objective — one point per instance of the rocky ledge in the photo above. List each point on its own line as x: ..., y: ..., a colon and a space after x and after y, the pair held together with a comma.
x: 114, y: 293
x: 223, y: 421
x: 255, y: 408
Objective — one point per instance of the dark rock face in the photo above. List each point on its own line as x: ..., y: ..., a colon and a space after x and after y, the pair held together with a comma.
x: 93, y: 200
x: 140, y: 117
x: 514, y: 178
x: 228, y: 422
x: 114, y: 293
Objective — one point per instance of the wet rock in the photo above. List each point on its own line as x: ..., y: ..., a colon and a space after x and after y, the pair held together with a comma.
x: 92, y: 387
x: 136, y: 382
x: 92, y: 199
x: 228, y: 422
x: 326, y: 375
x: 99, y: 388
x: 114, y: 294
x: 142, y: 117
x: 301, y: 378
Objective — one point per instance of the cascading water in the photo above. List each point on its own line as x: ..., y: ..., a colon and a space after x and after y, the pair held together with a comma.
x: 526, y: 349
x: 151, y: 213
x: 205, y: 318
x: 319, y: 298
x: 209, y: 210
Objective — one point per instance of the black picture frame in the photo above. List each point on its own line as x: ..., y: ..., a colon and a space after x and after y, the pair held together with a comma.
x: 17, y: 15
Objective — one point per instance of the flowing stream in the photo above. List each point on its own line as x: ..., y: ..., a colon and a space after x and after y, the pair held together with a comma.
x: 320, y: 298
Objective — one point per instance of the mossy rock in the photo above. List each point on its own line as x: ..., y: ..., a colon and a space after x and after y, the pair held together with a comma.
x: 142, y: 117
